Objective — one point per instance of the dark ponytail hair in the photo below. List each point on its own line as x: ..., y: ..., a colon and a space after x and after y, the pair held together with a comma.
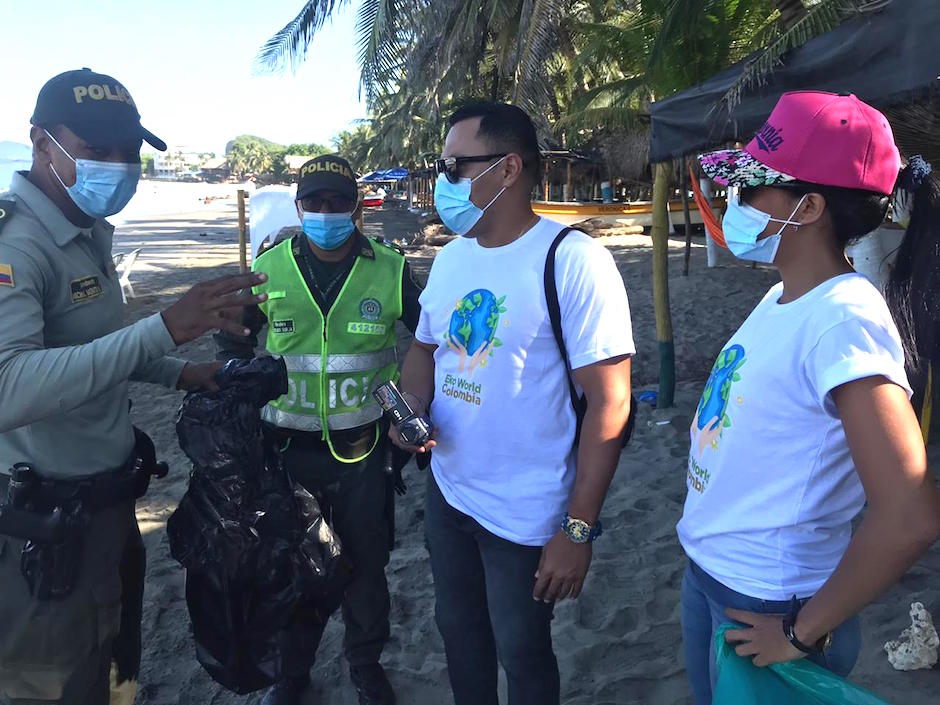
x: 854, y: 213
x: 913, y: 291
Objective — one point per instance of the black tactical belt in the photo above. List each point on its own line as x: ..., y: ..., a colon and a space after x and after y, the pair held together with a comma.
x: 95, y: 493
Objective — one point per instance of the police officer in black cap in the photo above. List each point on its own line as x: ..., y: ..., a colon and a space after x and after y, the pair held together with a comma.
x: 71, y: 464
x: 334, y: 299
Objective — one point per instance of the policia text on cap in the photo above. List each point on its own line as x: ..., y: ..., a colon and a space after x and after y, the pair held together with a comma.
x: 71, y: 558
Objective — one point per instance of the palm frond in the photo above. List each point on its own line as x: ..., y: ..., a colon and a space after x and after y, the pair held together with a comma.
x: 539, y: 22
x: 624, y: 43
x: 609, y: 118
x: 288, y: 48
x: 598, y: 107
x: 380, y: 52
x: 819, y: 19
x: 613, y: 93
x: 678, y: 16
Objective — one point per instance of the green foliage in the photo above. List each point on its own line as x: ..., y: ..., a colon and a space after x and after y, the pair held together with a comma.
x: 777, y: 39
x: 311, y: 149
x: 249, y: 155
x: 356, y: 146
x: 584, y: 69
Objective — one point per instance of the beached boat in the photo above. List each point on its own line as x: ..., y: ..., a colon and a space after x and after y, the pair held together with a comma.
x: 636, y: 213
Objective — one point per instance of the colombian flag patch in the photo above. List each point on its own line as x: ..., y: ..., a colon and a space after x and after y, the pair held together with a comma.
x: 6, y: 275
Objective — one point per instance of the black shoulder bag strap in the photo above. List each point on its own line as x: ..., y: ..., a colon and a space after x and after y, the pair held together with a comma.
x: 578, y: 402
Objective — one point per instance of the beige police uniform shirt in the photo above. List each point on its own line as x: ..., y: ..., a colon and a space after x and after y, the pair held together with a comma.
x: 65, y: 359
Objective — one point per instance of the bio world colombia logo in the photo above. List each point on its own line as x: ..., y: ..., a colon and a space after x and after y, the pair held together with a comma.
x: 769, y: 138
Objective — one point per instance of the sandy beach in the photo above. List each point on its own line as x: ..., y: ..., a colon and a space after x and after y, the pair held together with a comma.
x: 620, y: 642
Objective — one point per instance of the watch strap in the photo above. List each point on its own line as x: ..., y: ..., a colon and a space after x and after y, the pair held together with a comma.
x: 593, y: 531
x: 789, y: 631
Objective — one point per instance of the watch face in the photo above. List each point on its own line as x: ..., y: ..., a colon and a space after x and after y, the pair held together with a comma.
x: 578, y: 530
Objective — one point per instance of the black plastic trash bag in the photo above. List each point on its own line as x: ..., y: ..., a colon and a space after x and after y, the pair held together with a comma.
x: 263, y: 567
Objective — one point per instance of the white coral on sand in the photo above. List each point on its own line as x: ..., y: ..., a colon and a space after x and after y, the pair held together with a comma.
x: 917, y: 646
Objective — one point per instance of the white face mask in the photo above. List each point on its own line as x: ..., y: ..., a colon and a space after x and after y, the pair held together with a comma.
x: 743, y: 224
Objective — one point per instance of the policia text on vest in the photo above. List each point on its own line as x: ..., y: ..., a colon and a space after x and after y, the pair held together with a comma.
x: 338, y: 347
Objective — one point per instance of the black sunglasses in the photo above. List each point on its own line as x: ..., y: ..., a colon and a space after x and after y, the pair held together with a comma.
x: 449, y: 166
x: 337, y: 204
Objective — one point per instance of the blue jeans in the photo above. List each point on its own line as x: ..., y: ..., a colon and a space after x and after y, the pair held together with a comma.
x: 484, y: 609
x: 704, y: 600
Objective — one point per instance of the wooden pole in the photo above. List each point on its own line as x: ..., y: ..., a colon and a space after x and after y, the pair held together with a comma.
x: 242, y: 233
x: 660, y: 235
x: 547, y: 180
x: 684, y: 185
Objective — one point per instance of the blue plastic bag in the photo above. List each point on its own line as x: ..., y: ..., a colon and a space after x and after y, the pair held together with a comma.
x: 740, y: 682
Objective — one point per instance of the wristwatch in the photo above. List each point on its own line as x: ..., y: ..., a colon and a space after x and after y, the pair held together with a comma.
x: 580, y: 531
x: 789, y: 630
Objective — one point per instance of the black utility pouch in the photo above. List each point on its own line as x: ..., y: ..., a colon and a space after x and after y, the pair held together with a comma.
x: 52, y: 569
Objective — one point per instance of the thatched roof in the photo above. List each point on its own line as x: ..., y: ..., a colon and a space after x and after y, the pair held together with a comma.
x: 917, y: 128
x: 627, y: 154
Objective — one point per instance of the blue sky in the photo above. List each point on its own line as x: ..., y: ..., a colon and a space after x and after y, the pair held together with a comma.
x: 188, y: 65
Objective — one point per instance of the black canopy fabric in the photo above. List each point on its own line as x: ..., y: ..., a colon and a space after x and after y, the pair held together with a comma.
x: 885, y: 58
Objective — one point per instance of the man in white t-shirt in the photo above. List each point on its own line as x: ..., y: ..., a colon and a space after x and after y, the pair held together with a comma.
x: 512, y: 504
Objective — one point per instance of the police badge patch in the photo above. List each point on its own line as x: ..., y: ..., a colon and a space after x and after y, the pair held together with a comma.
x: 370, y: 310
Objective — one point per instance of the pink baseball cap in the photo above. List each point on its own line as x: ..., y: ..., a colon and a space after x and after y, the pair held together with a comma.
x: 818, y: 138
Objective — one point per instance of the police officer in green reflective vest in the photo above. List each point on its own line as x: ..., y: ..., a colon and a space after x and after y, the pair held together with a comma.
x: 334, y: 297
x: 71, y: 464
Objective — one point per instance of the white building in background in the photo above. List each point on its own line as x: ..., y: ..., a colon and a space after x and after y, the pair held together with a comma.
x: 176, y: 162
x: 294, y: 162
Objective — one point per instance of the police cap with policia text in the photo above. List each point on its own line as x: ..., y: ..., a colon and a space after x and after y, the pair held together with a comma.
x: 327, y: 173
x: 96, y: 107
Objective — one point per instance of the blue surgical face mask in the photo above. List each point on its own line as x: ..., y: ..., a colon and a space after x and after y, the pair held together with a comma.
x: 743, y: 224
x: 328, y: 230
x: 453, y: 203
x: 101, y: 188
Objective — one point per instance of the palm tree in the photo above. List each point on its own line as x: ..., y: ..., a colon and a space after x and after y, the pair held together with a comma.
x: 356, y: 146
x: 437, y: 48
x: 237, y: 161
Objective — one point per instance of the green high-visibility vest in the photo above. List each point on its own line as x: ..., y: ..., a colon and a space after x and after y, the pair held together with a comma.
x: 334, y: 364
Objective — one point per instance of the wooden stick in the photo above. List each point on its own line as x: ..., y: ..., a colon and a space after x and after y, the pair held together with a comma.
x: 662, y: 172
x: 242, y: 234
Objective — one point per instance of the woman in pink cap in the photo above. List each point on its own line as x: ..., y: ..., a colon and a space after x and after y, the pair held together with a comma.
x: 806, y: 413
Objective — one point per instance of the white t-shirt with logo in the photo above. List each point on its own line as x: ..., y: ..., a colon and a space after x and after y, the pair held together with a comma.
x: 772, y: 487
x: 501, y: 400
